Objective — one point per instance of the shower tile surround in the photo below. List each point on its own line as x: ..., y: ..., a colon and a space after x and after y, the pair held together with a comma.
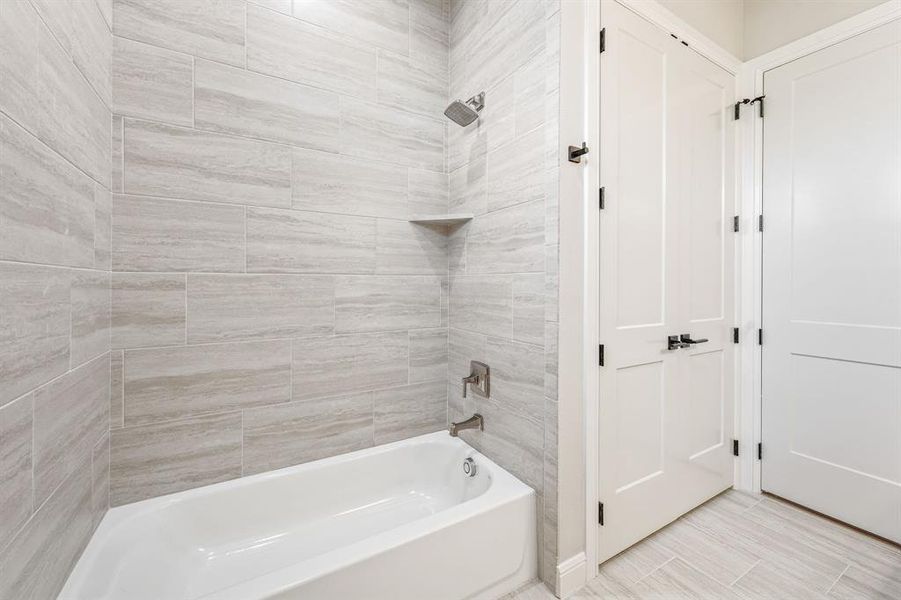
x: 55, y: 214
x: 271, y: 304
x: 230, y: 285
x: 503, y: 264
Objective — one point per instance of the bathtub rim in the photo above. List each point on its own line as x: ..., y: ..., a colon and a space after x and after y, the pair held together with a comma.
x: 500, y: 476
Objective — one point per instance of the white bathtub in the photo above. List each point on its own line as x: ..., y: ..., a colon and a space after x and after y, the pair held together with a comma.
x: 393, y: 522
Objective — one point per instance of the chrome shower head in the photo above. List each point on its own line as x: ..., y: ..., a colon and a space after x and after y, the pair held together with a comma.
x: 464, y: 113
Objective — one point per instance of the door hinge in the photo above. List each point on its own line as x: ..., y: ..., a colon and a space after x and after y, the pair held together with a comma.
x: 601, y: 355
x: 760, y: 223
x: 759, y: 451
x: 601, y: 198
x: 600, y: 513
x: 759, y: 101
x: 737, y: 107
x: 734, y: 447
x: 735, y: 335
x: 760, y: 337
x: 603, y: 39
x: 735, y: 223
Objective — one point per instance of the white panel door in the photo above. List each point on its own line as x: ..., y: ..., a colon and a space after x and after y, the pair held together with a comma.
x: 832, y: 281
x: 665, y: 416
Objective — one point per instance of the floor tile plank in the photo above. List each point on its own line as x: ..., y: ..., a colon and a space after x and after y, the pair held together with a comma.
x: 722, y: 561
x: 857, y: 583
x: 677, y: 580
x: 812, y: 565
x: 869, y: 552
x: 768, y: 581
x: 637, y: 562
x: 741, y: 546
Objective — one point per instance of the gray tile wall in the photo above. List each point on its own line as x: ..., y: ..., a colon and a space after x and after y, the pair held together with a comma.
x: 246, y: 169
x: 55, y: 215
x: 271, y: 304
x: 503, y: 264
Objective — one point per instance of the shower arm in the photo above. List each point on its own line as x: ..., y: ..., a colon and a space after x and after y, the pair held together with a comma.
x: 477, y: 101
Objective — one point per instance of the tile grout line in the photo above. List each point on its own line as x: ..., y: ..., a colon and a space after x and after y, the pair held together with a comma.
x: 837, y: 579
x: 193, y: 92
x: 122, y: 426
x: 186, y: 309
x: 33, y: 491
x: 704, y: 572
x: 751, y: 568
x: 281, y: 143
x: 71, y: 58
x: 262, y: 341
x: 657, y: 568
x: 288, y: 209
x: 757, y: 503
x: 121, y: 152
x: 245, y: 239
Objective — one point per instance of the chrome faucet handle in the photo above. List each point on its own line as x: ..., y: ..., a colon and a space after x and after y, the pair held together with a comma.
x: 479, y: 377
x: 472, y: 378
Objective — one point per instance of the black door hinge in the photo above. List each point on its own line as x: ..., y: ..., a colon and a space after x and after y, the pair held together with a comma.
x: 759, y: 101
x: 735, y: 335
x: 760, y: 223
x: 600, y: 513
x: 760, y: 337
x: 734, y: 447
x: 737, y: 107
x: 601, y: 355
x: 603, y: 40
x: 601, y: 198
x: 735, y: 223
x: 759, y: 451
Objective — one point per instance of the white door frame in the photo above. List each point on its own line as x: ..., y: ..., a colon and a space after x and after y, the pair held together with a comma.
x: 749, y: 174
x: 750, y: 136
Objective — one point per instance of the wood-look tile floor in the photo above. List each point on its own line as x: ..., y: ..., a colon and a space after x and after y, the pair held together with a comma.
x: 745, y: 547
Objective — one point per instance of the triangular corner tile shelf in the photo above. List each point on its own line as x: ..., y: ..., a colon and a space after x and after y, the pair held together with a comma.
x: 452, y: 219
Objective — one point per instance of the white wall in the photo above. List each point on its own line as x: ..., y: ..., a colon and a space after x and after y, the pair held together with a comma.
x: 720, y: 20
x: 769, y: 24
x: 749, y: 28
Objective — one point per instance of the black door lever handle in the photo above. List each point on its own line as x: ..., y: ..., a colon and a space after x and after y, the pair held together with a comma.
x: 685, y: 338
x: 673, y: 343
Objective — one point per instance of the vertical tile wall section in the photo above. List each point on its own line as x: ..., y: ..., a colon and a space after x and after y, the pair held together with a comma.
x: 55, y: 207
x: 503, y: 264
x: 271, y: 304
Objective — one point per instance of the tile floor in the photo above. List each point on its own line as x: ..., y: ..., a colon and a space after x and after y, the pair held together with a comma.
x: 739, y: 546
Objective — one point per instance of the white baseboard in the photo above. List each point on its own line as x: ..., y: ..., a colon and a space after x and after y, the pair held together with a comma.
x: 571, y: 575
